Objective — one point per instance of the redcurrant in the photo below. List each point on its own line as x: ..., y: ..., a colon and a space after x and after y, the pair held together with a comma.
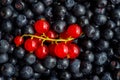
x: 30, y: 45
x: 51, y: 34
x: 74, y: 31
x: 18, y: 40
x: 41, y: 26
x: 51, y: 48
x: 73, y: 51
x: 41, y: 52
x: 61, y: 50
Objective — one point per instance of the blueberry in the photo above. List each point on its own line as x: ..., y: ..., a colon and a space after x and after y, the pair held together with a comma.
x: 99, y: 70
x: 102, y: 45
x: 108, y: 34
x: 21, y: 20
x: 101, y: 3
x: 59, y: 12
x: 100, y: 19
x: 65, y: 76
x: 38, y: 67
x: 115, y: 1
x: 19, y: 52
x: 89, y: 31
x: 4, y: 58
x: 38, y: 8
x: 26, y: 72
x: 4, y: 46
x: 31, y: 1
x: 50, y: 62
x: 88, y: 56
x: 59, y: 26
x: 19, y: 5
x: 53, y: 78
x: 88, y: 44
x: 116, y: 14
x: 75, y: 66
x: 106, y: 76
x: 48, y: 2
x: 83, y: 21
x: 62, y: 63
x: 110, y: 24
x: 6, y: 2
x: 101, y: 58
x: 86, y: 67
x: 29, y: 14
x: 30, y: 58
x: 2, y: 78
x: 13, y: 61
x: 28, y: 29
x: 48, y: 12
x: 79, y: 10
x: 70, y: 19
x: 6, y: 12
x: 7, y: 26
x: 69, y: 4
x: 8, y: 69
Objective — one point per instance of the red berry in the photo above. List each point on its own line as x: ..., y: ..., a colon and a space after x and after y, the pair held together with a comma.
x: 61, y: 50
x: 51, y: 49
x: 41, y: 26
x: 73, y: 51
x: 41, y: 52
x: 74, y: 31
x: 30, y: 45
x: 51, y: 34
x: 63, y: 35
x: 18, y: 40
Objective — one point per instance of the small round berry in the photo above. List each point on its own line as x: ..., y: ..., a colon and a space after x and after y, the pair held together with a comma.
x: 61, y: 50
x: 51, y: 49
x: 4, y: 46
x: 41, y: 26
x: 51, y: 34
x: 73, y: 51
x: 30, y: 45
x: 4, y: 58
x: 18, y: 40
x: 41, y: 52
x: 74, y: 31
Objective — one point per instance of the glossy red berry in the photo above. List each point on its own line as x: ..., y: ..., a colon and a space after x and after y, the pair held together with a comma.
x: 41, y: 26
x: 51, y: 48
x: 74, y: 31
x: 73, y: 51
x: 18, y: 40
x: 61, y: 50
x: 51, y: 34
x: 41, y: 52
x: 63, y: 35
x: 30, y: 45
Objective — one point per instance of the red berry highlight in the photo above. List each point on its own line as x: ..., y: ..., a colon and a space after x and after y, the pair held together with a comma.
x: 41, y: 52
x: 73, y: 51
x: 74, y: 31
x: 18, y: 40
x: 41, y: 26
x: 61, y: 50
x: 30, y: 45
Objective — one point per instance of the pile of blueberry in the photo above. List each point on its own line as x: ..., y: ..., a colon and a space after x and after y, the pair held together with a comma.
x: 91, y: 28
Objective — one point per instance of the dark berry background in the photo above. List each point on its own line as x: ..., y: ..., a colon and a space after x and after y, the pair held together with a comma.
x: 99, y: 57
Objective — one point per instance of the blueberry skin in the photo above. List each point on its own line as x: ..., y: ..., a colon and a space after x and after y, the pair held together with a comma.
x: 50, y: 62
x: 59, y: 26
x: 100, y: 19
x: 21, y: 20
x: 69, y: 4
x: 106, y: 76
x: 6, y: 12
x: 101, y: 58
x: 30, y: 58
x: 62, y: 63
x: 6, y: 2
x: 7, y: 26
x: 8, y: 69
x: 19, y: 52
x: 4, y: 58
x: 26, y: 72
x: 4, y: 46
x: 38, y: 8
x: 47, y: 2
x: 38, y: 67
x: 116, y: 14
x: 65, y: 76
x: 75, y: 65
x: 79, y: 10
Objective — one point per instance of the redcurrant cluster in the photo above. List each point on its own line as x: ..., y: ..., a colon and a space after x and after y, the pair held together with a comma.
x: 60, y: 45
